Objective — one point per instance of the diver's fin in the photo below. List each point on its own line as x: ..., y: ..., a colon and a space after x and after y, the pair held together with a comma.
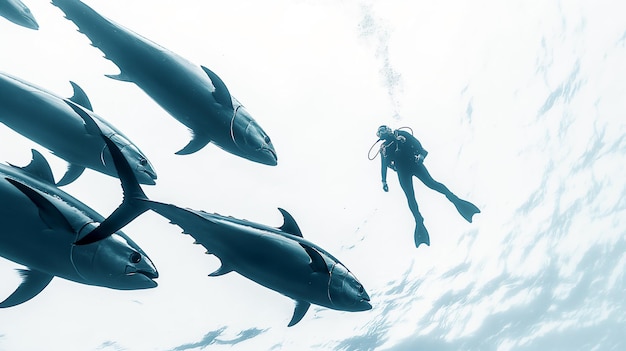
x: 421, y: 234
x: 90, y: 125
x: 33, y: 282
x: 73, y: 172
x: 317, y: 261
x: 80, y: 97
x: 130, y: 207
x: 221, y: 271
x: 48, y: 213
x: 465, y: 208
x: 194, y: 145
x: 301, y: 308
x: 289, y: 225
x: 38, y: 167
x: 221, y: 93
x: 121, y: 77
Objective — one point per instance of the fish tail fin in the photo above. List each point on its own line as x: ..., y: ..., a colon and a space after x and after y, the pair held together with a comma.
x: 131, y: 207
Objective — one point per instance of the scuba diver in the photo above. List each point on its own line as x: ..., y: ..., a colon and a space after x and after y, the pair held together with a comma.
x: 403, y: 153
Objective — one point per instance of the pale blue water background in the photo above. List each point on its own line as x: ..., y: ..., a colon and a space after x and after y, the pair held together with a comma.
x: 521, y: 105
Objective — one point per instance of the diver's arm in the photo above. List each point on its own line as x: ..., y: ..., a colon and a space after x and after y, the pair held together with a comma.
x: 383, y: 171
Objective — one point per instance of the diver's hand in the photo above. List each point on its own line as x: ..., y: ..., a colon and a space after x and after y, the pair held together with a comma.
x: 385, y: 187
x: 421, y: 156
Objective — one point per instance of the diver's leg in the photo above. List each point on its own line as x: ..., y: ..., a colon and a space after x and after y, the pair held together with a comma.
x: 465, y: 208
x: 420, y: 233
x: 422, y: 174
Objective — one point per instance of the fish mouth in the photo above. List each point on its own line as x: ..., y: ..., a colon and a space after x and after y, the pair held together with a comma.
x: 268, y: 156
x: 130, y: 270
x: 364, y: 304
x: 32, y: 24
x: 28, y: 22
x: 147, y: 276
x: 149, y: 178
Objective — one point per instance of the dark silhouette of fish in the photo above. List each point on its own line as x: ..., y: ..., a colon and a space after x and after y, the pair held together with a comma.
x: 18, y: 13
x: 192, y: 94
x: 277, y: 258
x: 39, y: 225
x: 60, y: 125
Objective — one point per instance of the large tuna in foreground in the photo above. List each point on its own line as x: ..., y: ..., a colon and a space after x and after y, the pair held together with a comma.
x: 39, y: 225
x: 277, y: 258
x: 192, y: 94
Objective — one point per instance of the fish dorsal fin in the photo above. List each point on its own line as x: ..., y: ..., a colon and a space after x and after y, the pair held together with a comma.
x: 80, y: 97
x: 48, y: 213
x: 317, y: 261
x: 301, y: 308
x: 38, y: 168
x: 289, y: 224
x: 221, y: 271
x: 33, y: 282
x: 90, y: 125
x: 73, y: 172
x: 196, y: 143
x: 221, y: 93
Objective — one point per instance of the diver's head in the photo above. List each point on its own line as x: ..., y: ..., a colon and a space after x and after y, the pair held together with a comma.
x: 115, y: 262
x: 250, y: 139
x: 383, y: 132
x: 136, y: 159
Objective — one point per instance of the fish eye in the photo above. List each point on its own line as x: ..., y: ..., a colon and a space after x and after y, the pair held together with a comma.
x: 135, y: 257
x: 143, y: 161
x: 267, y: 139
x: 361, y: 290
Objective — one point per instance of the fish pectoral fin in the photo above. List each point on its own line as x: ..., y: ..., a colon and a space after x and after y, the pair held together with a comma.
x: 38, y: 167
x: 221, y: 271
x: 301, y: 308
x: 196, y: 143
x: 73, y: 172
x: 90, y: 125
x: 317, y: 261
x: 221, y: 93
x: 33, y: 282
x: 80, y: 97
x: 48, y: 213
x: 121, y: 77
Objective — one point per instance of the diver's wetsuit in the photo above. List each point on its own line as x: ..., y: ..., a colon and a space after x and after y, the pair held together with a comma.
x: 400, y: 151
